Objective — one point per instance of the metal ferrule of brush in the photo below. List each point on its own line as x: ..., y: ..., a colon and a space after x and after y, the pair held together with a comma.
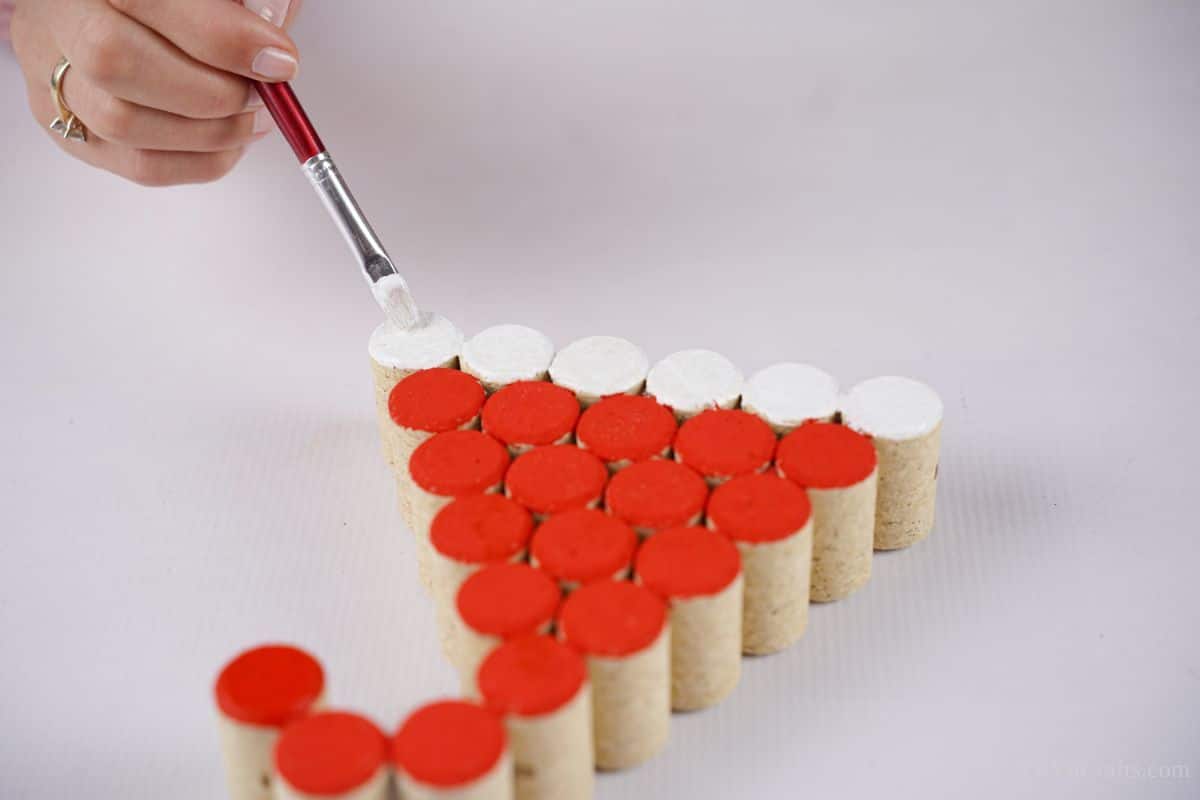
x: 334, y: 192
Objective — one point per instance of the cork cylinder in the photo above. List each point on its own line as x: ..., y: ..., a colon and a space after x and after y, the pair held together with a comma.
x: 625, y: 429
x: 583, y: 545
x: 903, y: 417
x: 600, y: 366
x: 539, y: 686
x: 467, y: 535
x: 724, y: 444
x: 837, y: 467
x: 787, y: 395
x: 691, y: 381
x: 504, y: 354
x: 498, y: 603
x: 422, y: 404
x: 769, y: 519
x: 530, y: 414
x: 698, y: 573
x: 332, y: 755
x: 655, y: 495
x: 395, y: 354
x: 622, y: 631
x: 257, y: 694
x: 450, y: 465
x: 453, y: 750
x: 550, y: 480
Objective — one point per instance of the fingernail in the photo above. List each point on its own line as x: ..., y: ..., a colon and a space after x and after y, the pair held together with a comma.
x: 262, y: 121
x: 275, y: 64
x: 253, y: 100
x: 273, y: 11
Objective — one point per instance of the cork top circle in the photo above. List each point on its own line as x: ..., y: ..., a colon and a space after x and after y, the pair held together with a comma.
x: 531, y: 413
x: 656, y: 494
x: 530, y: 676
x: 506, y: 600
x: 612, y: 618
x: 725, y: 443
x: 688, y: 562
x: 758, y: 508
x: 691, y: 381
x: 435, y: 400
x: 330, y: 753
x: 504, y: 354
x: 481, y: 528
x: 449, y: 743
x: 583, y: 545
x: 825, y: 455
x: 270, y: 685
x: 598, y: 366
x: 789, y: 394
x: 626, y: 428
x: 457, y: 463
x: 433, y: 342
x: 893, y: 408
x: 549, y: 480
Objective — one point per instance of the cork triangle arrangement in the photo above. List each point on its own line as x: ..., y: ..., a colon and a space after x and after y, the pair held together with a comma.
x: 603, y: 540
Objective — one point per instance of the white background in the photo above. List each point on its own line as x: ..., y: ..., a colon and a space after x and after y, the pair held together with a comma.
x: 1001, y: 199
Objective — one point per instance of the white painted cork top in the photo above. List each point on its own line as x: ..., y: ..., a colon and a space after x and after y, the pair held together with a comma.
x: 504, y: 354
x: 433, y: 341
x: 788, y: 394
x: 892, y: 408
x: 600, y: 366
x: 690, y: 381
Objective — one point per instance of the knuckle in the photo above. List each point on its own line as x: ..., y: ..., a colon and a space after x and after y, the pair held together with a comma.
x: 112, y: 119
x: 99, y: 50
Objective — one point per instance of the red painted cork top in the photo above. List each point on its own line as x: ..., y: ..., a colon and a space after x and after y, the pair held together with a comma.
x: 612, y: 618
x: 626, y: 428
x: 531, y: 413
x: 758, y: 508
x: 481, y: 528
x: 457, y: 463
x: 824, y: 455
x: 722, y: 443
x: 531, y: 675
x: 449, y: 743
x: 548, y: 480
x: 656, y: 494
x: 506, y: 600
x: 583, y: 545
x: 688, y: 562
x: 435, y: 400
x: 330, y: 753
x: 270, y: 685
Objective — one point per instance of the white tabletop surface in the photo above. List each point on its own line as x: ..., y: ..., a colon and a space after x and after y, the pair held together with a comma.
x: 1002, y: 202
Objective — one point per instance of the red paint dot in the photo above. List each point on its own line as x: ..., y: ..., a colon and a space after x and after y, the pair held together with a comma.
x: 330, y: 753
x: 656, y: 494
x: 612, y: 618
x: 758, y: 508
x: 270, y: 685
x: 531, y: 675
x: 824, y: 455
x: 449, y: 743
x: 507, y: 600
x: 583, y: 545
x: 549, y: 480
x: 481, y: 528
x: 626, y: 428
x: 531, y: 413
x: 723, y: 443
x: 457, y: 463
x: 688, y: 562
x: 435, y: 400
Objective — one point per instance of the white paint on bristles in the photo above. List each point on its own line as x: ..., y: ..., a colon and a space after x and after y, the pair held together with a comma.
x: 691, y: 381
x: 600, y: 366
x: 892, y: 407
x: 504, y: 354
x: 433, y: 341
x: 391, y: 292
x: 788, y: 394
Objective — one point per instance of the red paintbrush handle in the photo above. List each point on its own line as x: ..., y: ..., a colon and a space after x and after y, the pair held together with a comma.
x: 289, y: 115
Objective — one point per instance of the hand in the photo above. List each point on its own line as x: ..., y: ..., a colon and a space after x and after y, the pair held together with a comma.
x: 160, y: 84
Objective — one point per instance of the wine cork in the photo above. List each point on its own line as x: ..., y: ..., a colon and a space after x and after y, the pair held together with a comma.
x: 332, y: 755
x: 396, y: 354
x: 497, y: 603
x: 583, y: 545
x: 557, y: 478
x: 446, y: 466
x: 724, y: 444
x: 787, y: 395
x: 453, y: 750
x: 903, y: 417
x: 600, y: 366
x: 625, y: 429
x: 530, y: 414
x: 504, y: 354
x: 622, y: 631
x: 257, y: 694
x: 769, y: 519
x: 699, y: 575
x: 426, y: 402
x: 837, y: 467
x: 539, y: 686
x: 691, y: 381
x: 655, y: 495
x: 468, y: 534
